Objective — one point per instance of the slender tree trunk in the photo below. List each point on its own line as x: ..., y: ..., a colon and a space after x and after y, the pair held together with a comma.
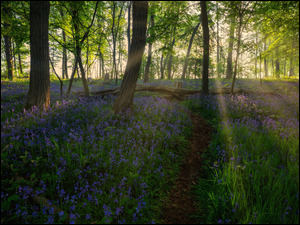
x: 9, y: 58
x: 291, y: 67
x: 260, y: 69
x: 218, y: 47
x: 162, y: 66
x: 265, y: 61
x: 255, y: 70
x: 205, y: 47
x: 78, y: 51
x: 7, y: 39
x: 65, y: 59
x: 128, y: 27
x: 87, y: 58
x: 126, y: 94
x: 114, y: 72
x: 277, y: 65
x: 14, y: 57
x: 39, y: 86
x: 237, y: 52
x: 20, y: 62
x: 284, y: 67
x: 189, y: 48
x: 170, y: 58
x: 72, y: 75
x: 146, y: 77
x: 230, y: 48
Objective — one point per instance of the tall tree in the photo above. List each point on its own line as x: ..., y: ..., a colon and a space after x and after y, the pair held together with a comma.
x: 205, y: 47
x: 64, y: 60
x: 39, y: 86
x: 129, y: 22
x: 218, y: 44
x: 147, y: 69
x: 189, y: 48
x: 7, y: 38
x: 136, y: 51
x: 230, y: 48
x: 265, y: 60
x: 241, y: 8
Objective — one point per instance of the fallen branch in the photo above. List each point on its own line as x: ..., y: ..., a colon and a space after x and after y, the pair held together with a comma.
x: 176, y: 93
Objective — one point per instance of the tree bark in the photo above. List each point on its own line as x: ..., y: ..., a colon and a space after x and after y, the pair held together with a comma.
x: 218, y: 47
x: 39, y: 86
x: 114, y: 67
x: 255, y: 68
x: 78, y: 51
x: 265, y: 61
x: 126, y: 94
x: 291, y: 73
x: 169, y: 67
x: 237, y: 51
x: 64, y: 60
x: 230, y: 48
x: 190, y: 46
x: 277, y: 65
x: 205, y: 47
x: 174, y: 93
x: 7, y: 40
x: 147, y: 69
x: 128, y: 27
x: 72, y: 76
x: 20, y: 63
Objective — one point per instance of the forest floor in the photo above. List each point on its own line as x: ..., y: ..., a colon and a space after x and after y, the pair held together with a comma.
x: 180, y: 205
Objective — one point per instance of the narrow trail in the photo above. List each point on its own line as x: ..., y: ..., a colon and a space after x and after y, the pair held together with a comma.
x: 180, y: 204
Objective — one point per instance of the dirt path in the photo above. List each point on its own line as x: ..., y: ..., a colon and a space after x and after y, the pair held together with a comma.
x: 180, y: 205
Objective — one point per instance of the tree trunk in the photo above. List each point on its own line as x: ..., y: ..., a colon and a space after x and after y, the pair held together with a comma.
x: 237, y: 52
x: 230, y: 48
x: 7, y: 38
x: 126, y: 94
x: 114, y: 72
x: 205, y: 47
x: 128, y: 28
x: 162, y: 66
x: 170, y: 58
x: 9, y: 57
x: 255, y: 69
x: 277, y: 65
x: 14, y: 57
x: 189, y: 48
x: 64, y: 60
x: 218, y: 48
x: 291, y: 67
x: 265, y: 61
x: 39, y: 86
x: 20, y: 63
x: 147, y: 69
x: 78, y: 51
x: 72, y: 76
x: 260, y: 80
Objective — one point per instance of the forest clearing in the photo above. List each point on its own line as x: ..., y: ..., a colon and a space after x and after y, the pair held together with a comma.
x: 194, y: 120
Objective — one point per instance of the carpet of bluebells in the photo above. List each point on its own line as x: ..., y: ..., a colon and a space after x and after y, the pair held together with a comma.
x: 96, y: 167
x: 254, y: 156
x: 91, y: 166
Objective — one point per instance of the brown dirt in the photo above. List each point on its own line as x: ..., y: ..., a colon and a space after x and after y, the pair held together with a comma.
x: 180, y: 204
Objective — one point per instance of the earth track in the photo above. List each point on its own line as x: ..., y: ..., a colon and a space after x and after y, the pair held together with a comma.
x: 180, y: 205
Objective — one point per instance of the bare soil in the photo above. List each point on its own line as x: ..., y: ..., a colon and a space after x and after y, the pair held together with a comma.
x: 180, y: 205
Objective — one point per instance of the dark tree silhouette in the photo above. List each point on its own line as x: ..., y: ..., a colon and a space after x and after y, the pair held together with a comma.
x: 136, y: 51
x: 205, y: 47
x: 39, y: 86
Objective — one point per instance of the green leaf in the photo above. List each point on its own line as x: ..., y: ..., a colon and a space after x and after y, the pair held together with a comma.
x: 14, y: 197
